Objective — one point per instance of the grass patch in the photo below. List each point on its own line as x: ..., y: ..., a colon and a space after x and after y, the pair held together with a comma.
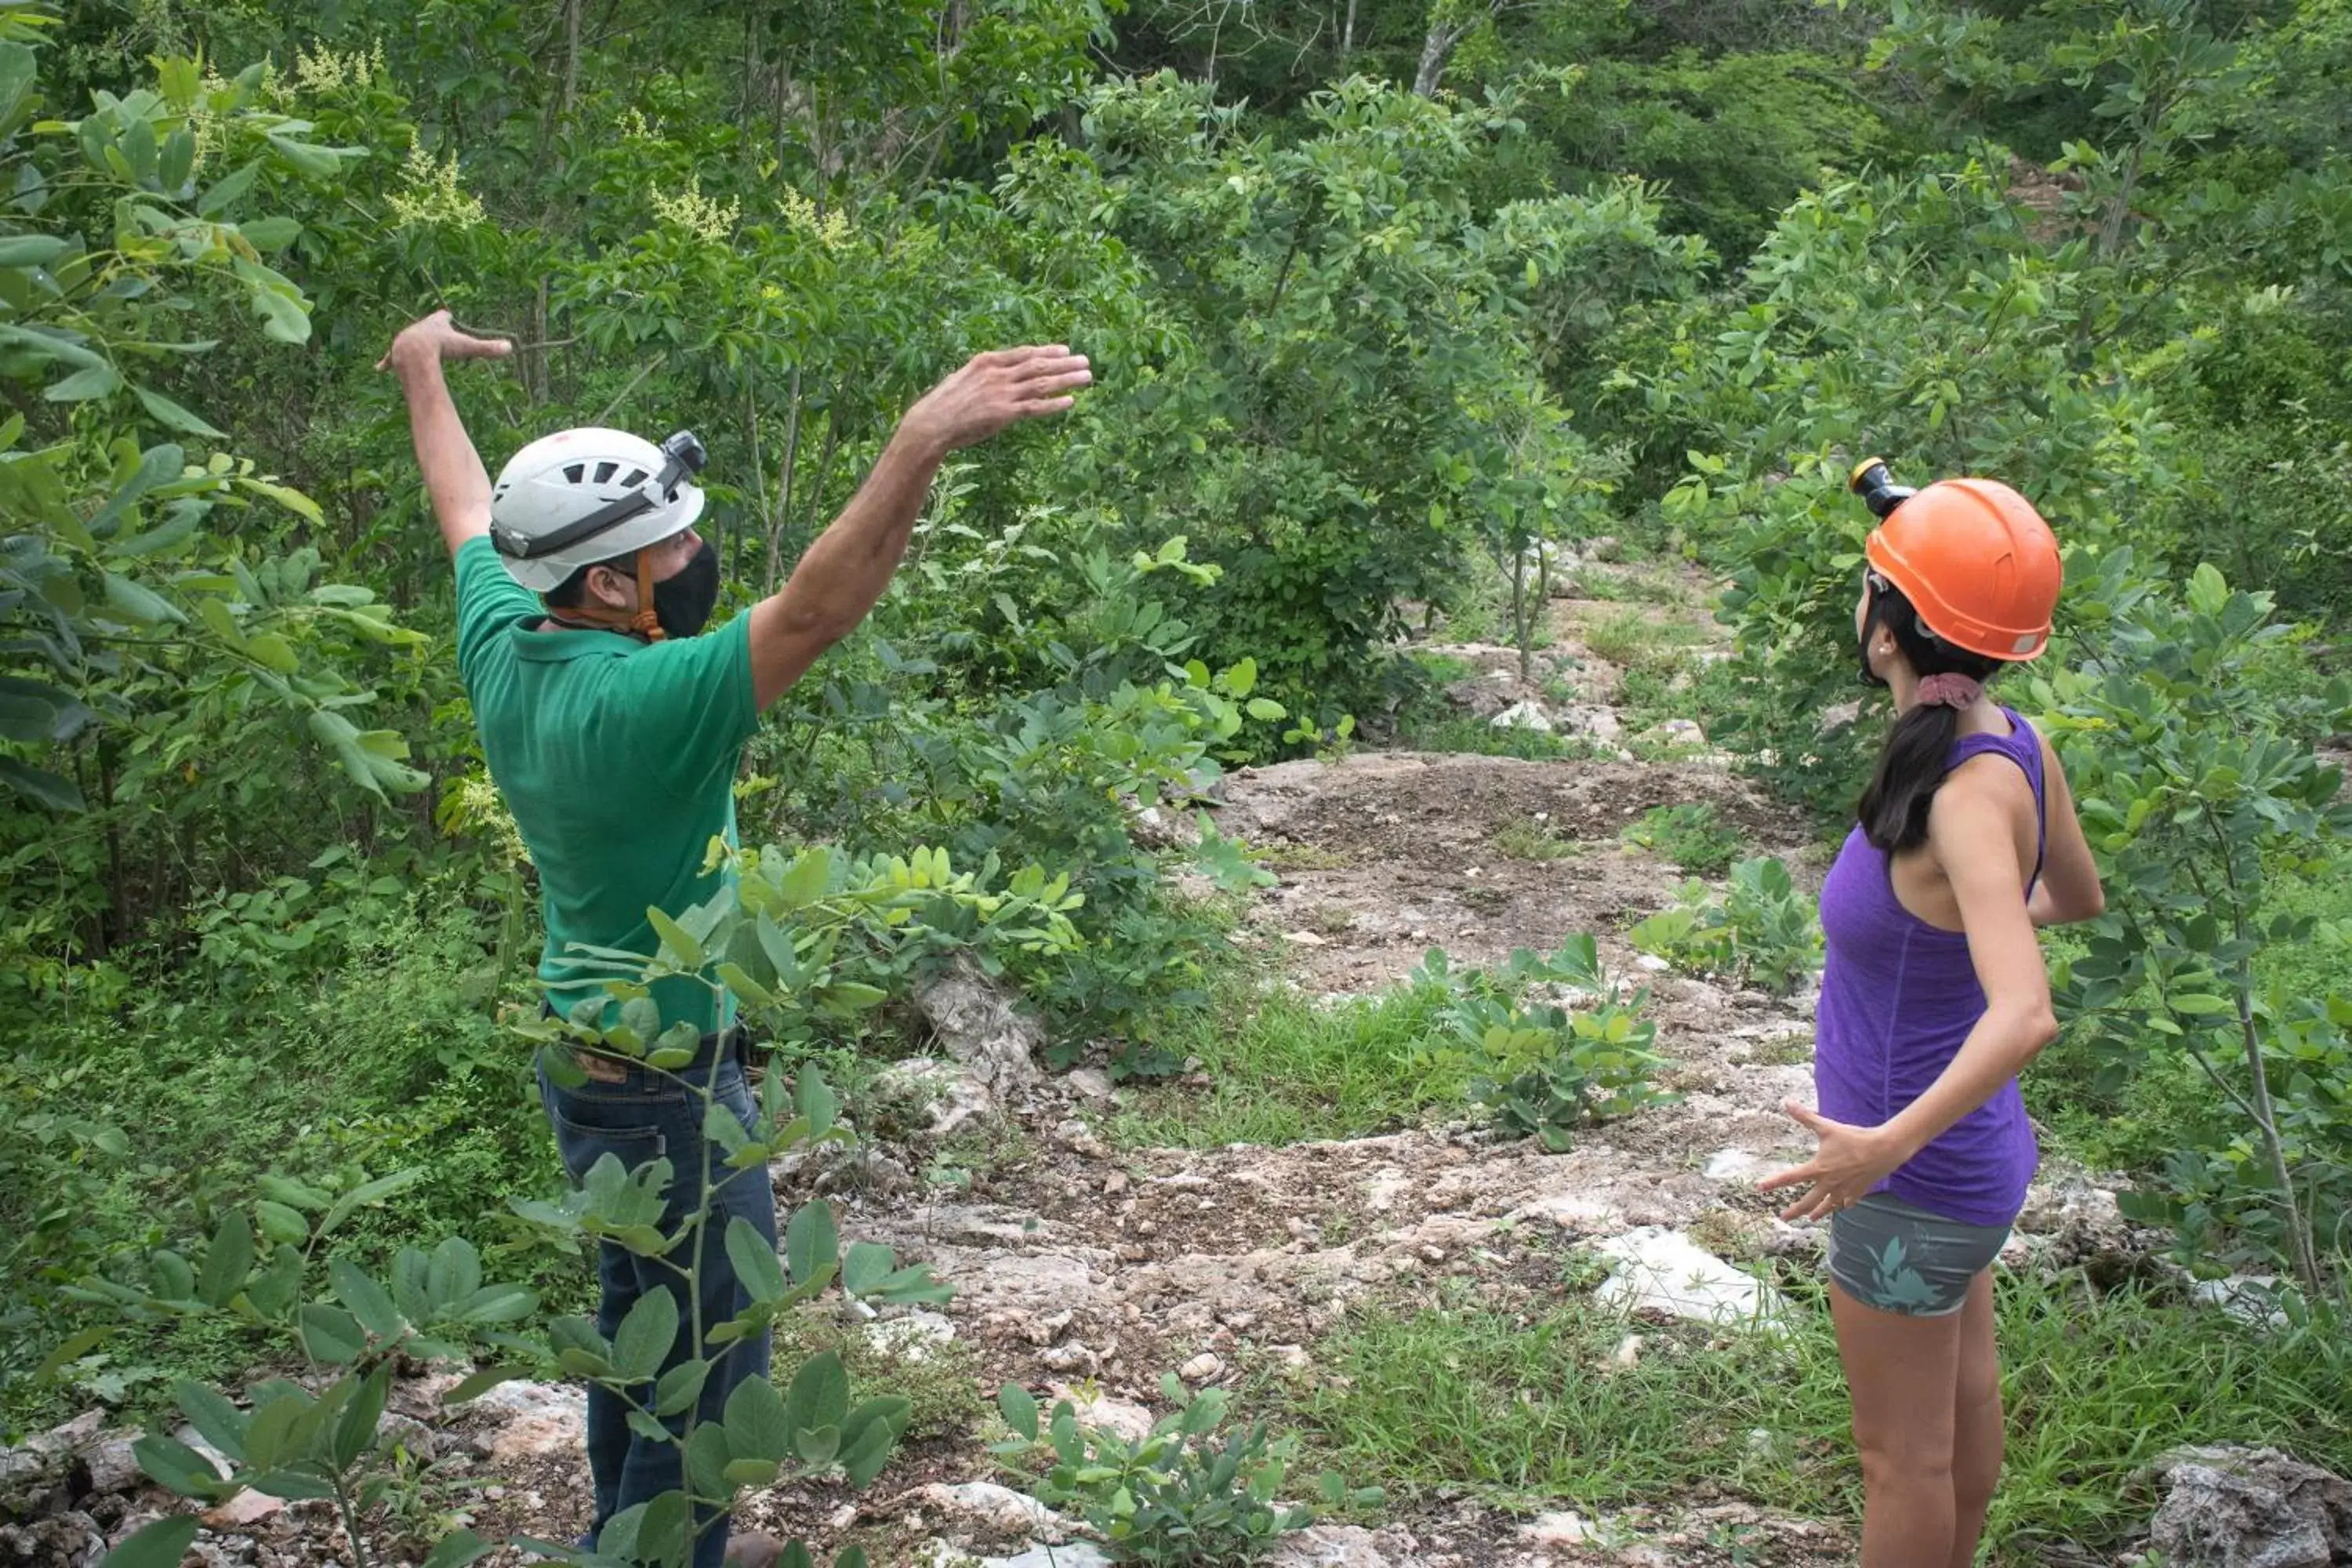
x: 1632, y: 639
x: 940, y: 1378
x: 1530, y: 1412
x: 1427, y: 730
x: 1286, y: 857
x: 1627, y: 584
x: 1526, y: 840
x: 1693, y: 835
x: 1286, y: 1071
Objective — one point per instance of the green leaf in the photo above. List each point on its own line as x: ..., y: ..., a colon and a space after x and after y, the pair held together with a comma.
x: 302, y: 506
x: 284, y: 1225
x: 814, y: 1100
x: 757, y: 1421
x: 732, y: 977
x: 355, y: 1431
x: 40, y: 786
x: 270, y: 233
x: 160, y: 1544
x: 71, y: 1349
x: 217, y: 1421
x: 806, y: 883
x: 866, y: 1265
x: 331, y: 1335
x: 1264, y: 708
x: 293, y: 1194
x: 166, y: 412
x: 755, y: 1261
x: 677, y: 938
x: 1019, y: 1408
x: 225, y: 190
x: 820, y: 1393
x: 227, y: 1260
x: 367, y: 1193
x: 751, y: 1472
x: 475, y: 1384
x: 141, y: 604
x: 679, y: 1387
x: 31, y: 249
x: 367, y: 1299
x: 866, y: 1456
x: 810, y: 1243
x: 90, y: 381
x: 29, y: 710
x: 457, y: 1550
x: 177, y: 1467
x: 646, y: 1336
x: 316, y: 162
x: 817, y: 1445
x: 272, y: 1290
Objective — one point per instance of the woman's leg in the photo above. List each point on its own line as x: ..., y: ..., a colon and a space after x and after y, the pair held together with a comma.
x: 1976, y: 1425
x: 1903, y: 1373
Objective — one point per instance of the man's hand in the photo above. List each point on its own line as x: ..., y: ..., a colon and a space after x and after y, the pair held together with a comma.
x: 992, y: 391
x: 454, y: 478
x: 433, y: 340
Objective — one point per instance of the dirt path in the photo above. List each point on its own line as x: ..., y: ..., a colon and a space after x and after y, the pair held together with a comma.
x: 1088, y: 1272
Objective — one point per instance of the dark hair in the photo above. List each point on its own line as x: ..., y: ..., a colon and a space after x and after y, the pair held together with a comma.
x: 570, y: 594
x: 1893, y: 809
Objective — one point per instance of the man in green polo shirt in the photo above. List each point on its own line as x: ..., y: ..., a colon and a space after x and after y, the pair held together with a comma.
x: 613, y: 725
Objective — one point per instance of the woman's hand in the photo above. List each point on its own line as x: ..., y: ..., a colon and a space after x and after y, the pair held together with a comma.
x: 1849, y: 1162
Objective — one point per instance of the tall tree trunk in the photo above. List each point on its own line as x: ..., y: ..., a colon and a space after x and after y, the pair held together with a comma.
x: 570, y: 57
x: 1347, y: 34
x: 1436, y: 47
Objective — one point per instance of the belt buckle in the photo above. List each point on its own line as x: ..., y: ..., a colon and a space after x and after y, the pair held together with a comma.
x: 601, y: 1069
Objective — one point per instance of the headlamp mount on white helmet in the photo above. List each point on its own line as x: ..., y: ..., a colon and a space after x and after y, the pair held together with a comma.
x: 588, y: 495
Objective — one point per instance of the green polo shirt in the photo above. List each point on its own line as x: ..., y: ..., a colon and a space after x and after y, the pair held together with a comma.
x: 617, y: 759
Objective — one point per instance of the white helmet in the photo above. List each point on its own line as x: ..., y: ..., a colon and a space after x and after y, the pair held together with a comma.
x: 578, y: 497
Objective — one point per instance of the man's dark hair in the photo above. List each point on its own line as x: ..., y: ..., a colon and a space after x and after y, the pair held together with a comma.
x: 569, y: 594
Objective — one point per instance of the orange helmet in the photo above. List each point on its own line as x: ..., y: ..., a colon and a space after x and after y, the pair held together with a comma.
x: 1976, y: 561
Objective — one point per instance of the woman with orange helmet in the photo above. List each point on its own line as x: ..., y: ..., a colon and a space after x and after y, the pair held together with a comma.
x: 1934, y: 999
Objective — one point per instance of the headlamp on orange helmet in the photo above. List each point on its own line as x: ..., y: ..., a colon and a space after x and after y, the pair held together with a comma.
x: 1978, y: 564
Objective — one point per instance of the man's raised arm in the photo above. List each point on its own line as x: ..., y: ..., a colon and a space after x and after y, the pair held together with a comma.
x: 453, y: 476
x: 842, y: 576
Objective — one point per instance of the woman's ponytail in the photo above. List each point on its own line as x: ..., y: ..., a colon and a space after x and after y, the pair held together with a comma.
x: 1893, y: 809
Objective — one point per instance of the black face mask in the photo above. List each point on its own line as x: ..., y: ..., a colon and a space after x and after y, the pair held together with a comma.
x: 683, y: 602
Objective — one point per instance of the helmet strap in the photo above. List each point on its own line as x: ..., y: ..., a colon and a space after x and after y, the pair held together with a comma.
x: 644, y: 621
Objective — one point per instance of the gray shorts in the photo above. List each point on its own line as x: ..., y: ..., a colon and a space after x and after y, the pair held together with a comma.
x: 1898, y: 1257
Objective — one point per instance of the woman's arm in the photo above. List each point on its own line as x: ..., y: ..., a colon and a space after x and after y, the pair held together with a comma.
x: 2069, y: 890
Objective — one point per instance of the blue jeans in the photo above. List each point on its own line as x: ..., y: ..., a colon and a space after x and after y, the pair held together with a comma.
x: 643, y: 1116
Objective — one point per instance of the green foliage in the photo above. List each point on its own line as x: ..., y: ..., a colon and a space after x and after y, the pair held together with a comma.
x: 116, y: 594
x: 1542, y: 1069
x: 1191, y: 1491
x: 1760, y: 931
x: 2196, y: 787
x: 1693, y: 835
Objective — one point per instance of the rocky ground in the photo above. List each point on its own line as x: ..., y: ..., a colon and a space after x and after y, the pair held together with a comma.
x: 1088, y: 1272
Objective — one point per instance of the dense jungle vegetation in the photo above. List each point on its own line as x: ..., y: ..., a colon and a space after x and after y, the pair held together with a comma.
x: 1391, y: 303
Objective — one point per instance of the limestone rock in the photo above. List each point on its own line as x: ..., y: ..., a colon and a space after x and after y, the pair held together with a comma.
x: 2235, y: 1507
x: 1663, y: 1271
x: 531, y: 1418
x: 953, y: 1095
x: 984, y: 1506
x: 1344, y: 1546
x: 979, y: 1023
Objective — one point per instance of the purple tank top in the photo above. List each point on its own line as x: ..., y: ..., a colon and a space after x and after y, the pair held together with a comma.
x: 1898, y: 998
